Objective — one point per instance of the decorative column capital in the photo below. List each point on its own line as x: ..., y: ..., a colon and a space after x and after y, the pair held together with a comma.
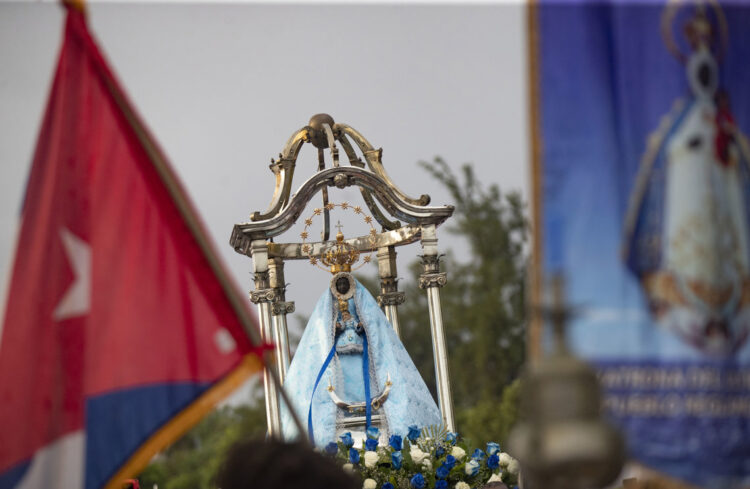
x: 262, y: 295
x: 391, y: 299
x: 427, y: 280
x: 261, y: 280
x: 431, y: 263
x: 282, y: 308
x: 388, y: 284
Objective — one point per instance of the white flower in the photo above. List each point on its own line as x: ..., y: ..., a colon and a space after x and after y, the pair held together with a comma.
x: 348, y: 467
x: 504, y: 459
x: 371, y: 460
x: 471, y: 468
x: 495, y: 478
x: 369, y: 483
x: 417, y: 455
x: 513, y: 466
x: 458, y: 452
x: 427, y: 464
x: 462, y: 485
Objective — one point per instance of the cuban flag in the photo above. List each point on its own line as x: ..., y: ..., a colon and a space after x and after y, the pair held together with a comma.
x: 121, y: 328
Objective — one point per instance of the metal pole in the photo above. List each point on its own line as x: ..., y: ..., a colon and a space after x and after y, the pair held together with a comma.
x: 390, y: 298
x: 279, y: 309
x: 263, y: 296
x: 431, y: 280
x: 391, y: 313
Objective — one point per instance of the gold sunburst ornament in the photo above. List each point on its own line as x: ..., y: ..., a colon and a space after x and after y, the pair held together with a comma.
x: 338, y: 256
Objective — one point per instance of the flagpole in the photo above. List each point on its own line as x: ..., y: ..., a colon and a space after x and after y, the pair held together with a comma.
x: 535, y: 272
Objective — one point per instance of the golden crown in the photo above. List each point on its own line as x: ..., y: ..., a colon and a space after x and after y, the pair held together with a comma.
x: 706, y: 25
x: 340, y: 255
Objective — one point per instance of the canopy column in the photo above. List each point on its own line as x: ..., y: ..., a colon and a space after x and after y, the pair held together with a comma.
x: 279, y: 309
x: 432, y: 280
x: 390, y: 298
x: 263, y: 296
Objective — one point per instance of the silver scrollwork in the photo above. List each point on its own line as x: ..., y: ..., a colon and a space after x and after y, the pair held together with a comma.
x: 262, y: 295
x: 282, y: 308
x: 341, y: 181
x: 427, y: 280
x: 391, y: 299
x: 359, y: 407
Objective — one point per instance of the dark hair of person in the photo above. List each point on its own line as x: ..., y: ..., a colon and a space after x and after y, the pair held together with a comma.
x: 279, y: 465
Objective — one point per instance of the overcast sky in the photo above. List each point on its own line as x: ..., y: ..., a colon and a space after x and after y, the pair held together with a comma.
x: 222, y: 87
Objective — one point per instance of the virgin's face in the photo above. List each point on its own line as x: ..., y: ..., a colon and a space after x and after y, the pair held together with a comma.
x: 342, y: 285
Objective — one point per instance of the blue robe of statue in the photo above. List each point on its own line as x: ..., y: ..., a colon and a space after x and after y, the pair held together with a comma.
x: 409, y: 401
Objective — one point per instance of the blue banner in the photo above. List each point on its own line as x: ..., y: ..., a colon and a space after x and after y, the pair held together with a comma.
x: 645, y: 205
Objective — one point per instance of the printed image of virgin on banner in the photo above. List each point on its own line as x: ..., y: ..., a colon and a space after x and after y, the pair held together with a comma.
x: 644, y: 195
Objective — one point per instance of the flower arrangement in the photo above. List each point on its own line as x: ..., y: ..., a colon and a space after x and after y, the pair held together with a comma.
x: 432, y: 459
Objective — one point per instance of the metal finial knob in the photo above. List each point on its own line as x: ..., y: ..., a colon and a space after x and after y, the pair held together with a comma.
x: 562, y: 441
x: 317, y: 134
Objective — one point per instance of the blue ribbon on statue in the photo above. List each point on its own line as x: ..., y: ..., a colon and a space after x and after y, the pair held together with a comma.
x: 365, y: 375
x: 317, y: 381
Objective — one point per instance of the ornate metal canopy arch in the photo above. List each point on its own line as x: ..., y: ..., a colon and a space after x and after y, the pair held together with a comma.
x: 323, y: 133
x: 370, y: 184
x: 404, y: 220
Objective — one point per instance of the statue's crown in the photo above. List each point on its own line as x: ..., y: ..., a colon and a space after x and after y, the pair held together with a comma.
x: 340, y: 255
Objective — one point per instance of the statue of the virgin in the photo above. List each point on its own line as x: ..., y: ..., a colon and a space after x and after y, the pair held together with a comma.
x: 350, y: 370
x: 687, y: 227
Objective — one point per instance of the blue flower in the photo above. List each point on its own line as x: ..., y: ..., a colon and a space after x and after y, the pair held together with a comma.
x: 387, y: 485
x: 353, y: 456
x: 492, y: 448
x: 413, y: 433
x: 441, y: 484
x: 332, y: 448
x: 397, y: 459
x: 472, y: 467
x: 439, y: 452
x: 371, y: 444
x: 451, y: 438
x: 493, y: 461
x: 417, y: 482
x: 395, y: 442
x: 450, y: 461
x: 442, y: 471
x: 478, y: 455
x: 373, y: 432
x: 346, y: 439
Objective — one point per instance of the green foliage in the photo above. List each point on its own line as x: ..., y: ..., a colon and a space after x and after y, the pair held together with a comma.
x: 489, y: 416
x: 193, y: 460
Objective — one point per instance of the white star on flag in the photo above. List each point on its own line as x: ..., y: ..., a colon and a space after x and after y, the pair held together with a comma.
x: 77, y: 299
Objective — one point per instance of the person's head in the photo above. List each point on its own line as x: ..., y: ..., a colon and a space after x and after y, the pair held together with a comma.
x: 275, y: 464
